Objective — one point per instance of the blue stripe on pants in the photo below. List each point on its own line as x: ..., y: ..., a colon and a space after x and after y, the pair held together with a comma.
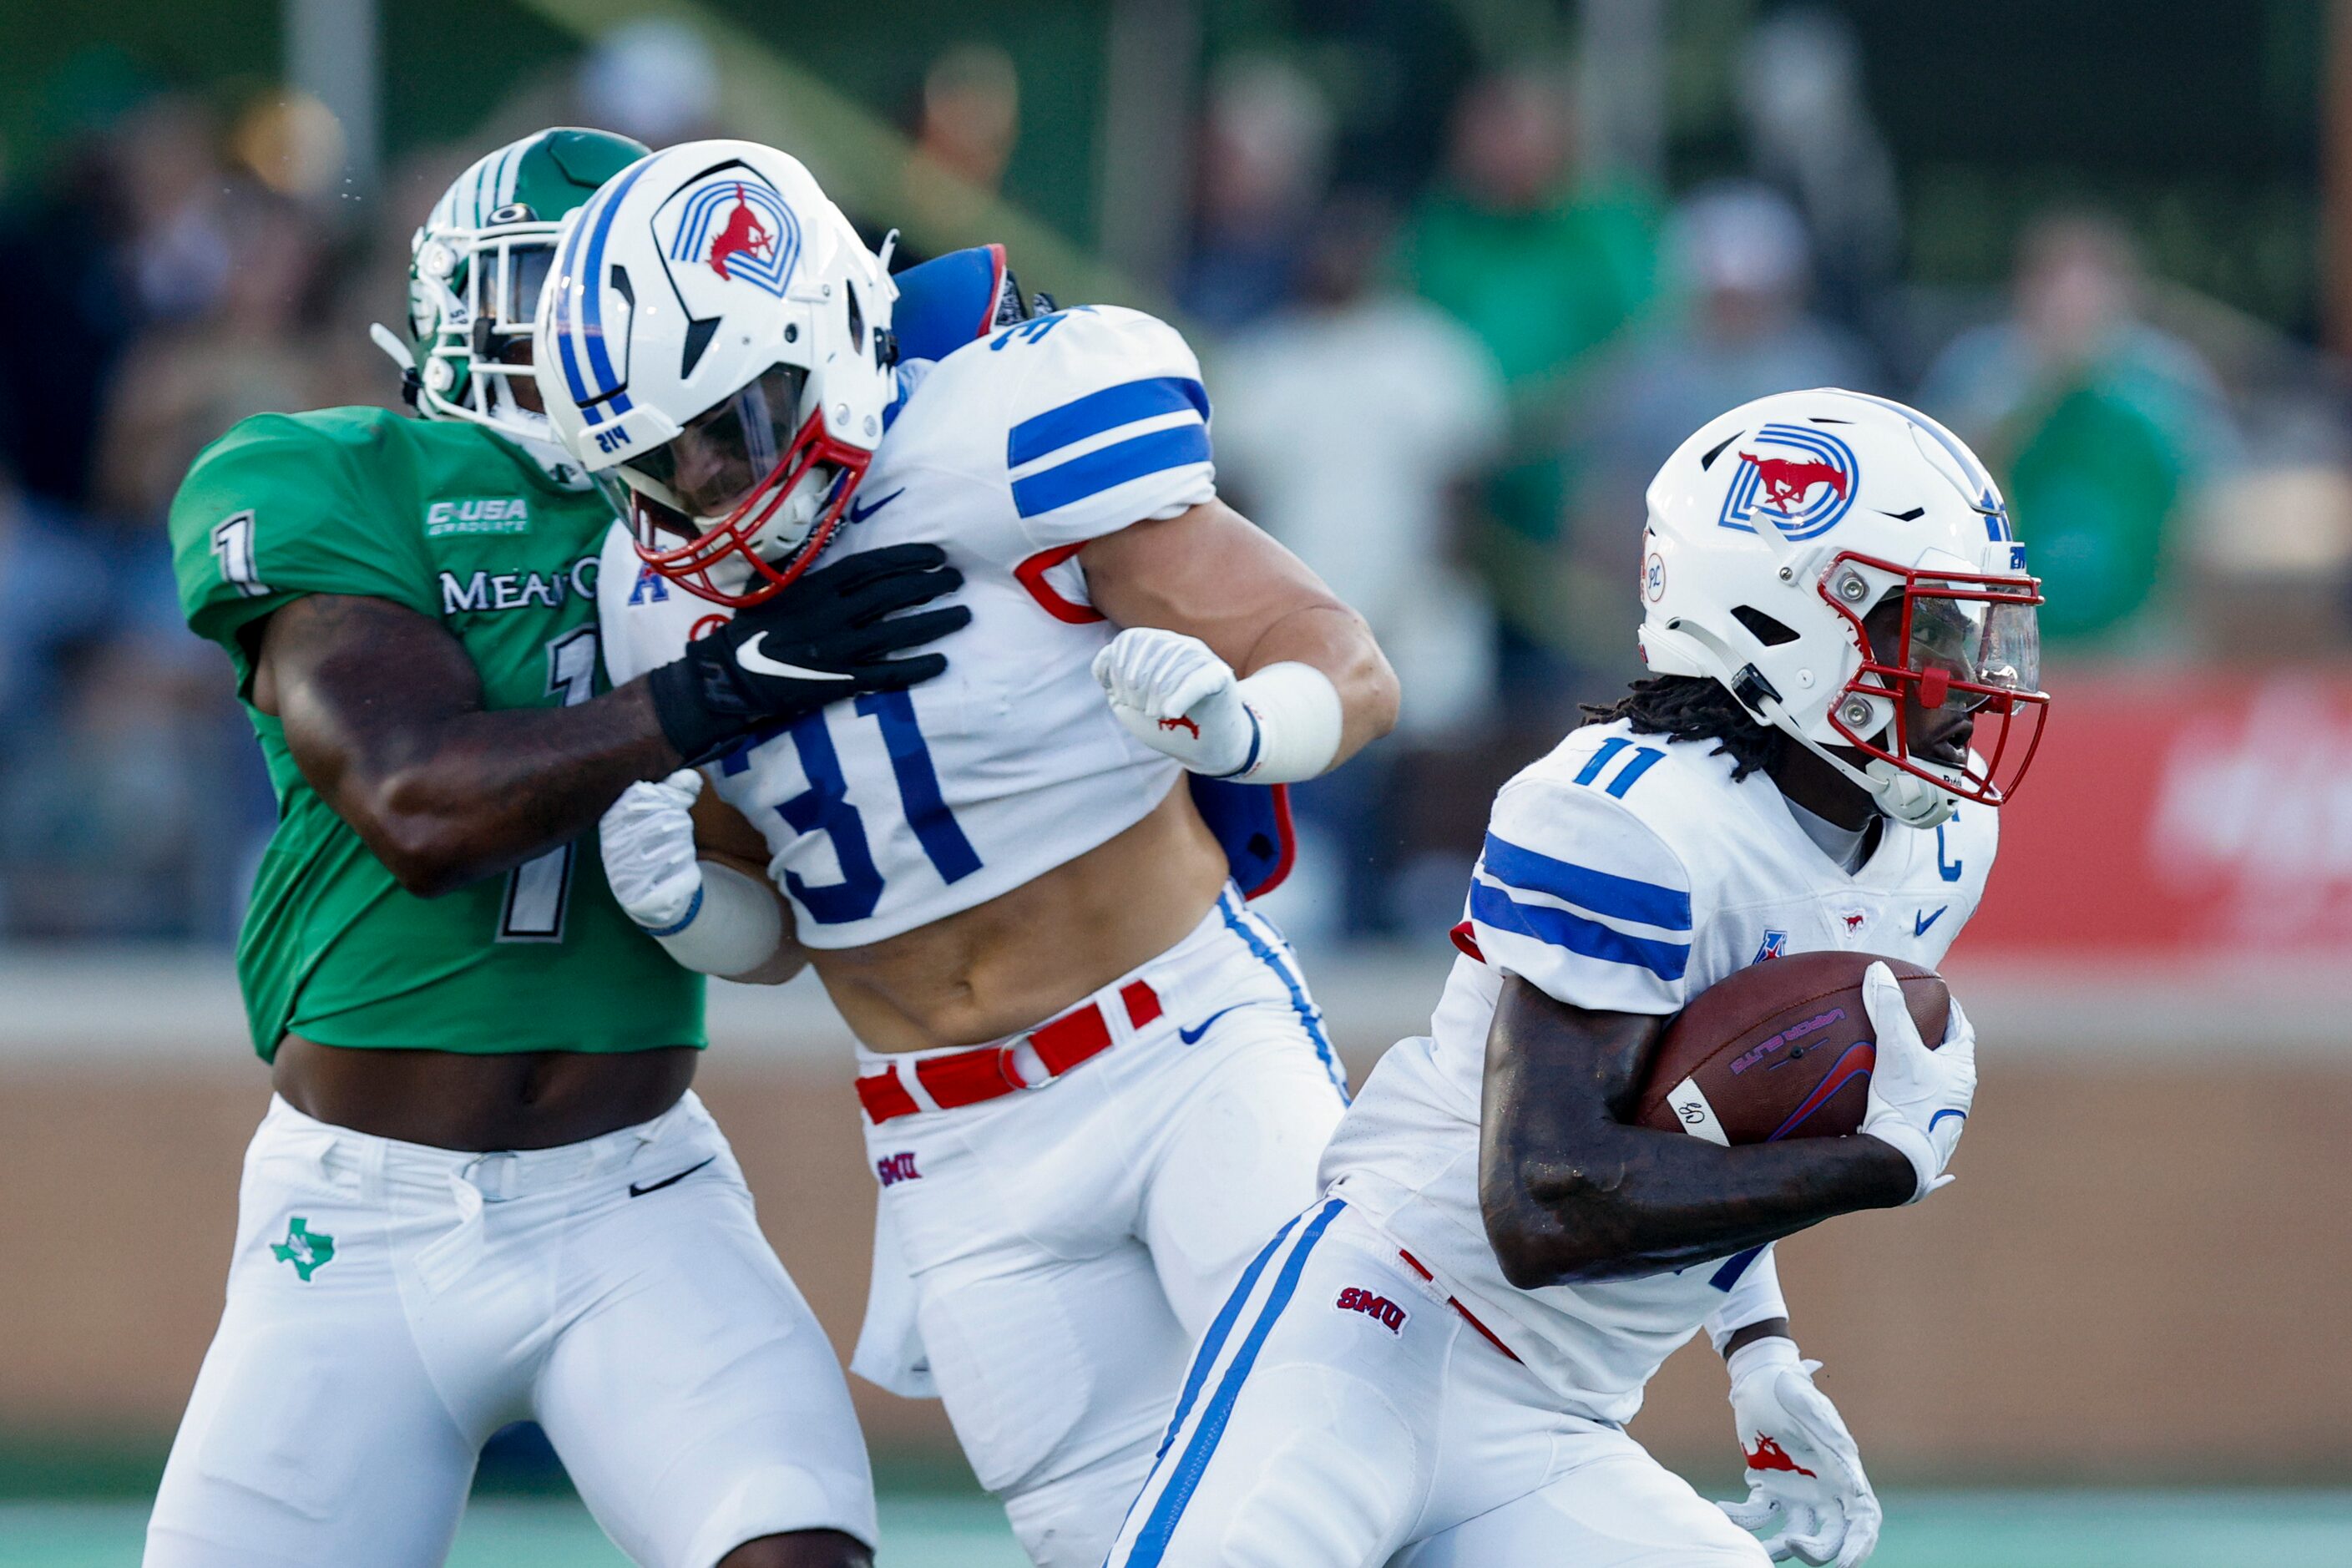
x: 1239, y: 921
x: 1212, y: 1347
x: 1160, y: 1528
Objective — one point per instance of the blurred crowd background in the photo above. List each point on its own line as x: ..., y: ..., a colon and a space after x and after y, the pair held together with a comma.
x: 1462, y: 273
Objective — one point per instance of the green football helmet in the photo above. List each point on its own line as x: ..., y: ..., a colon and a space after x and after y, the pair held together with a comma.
x: 475, y: 270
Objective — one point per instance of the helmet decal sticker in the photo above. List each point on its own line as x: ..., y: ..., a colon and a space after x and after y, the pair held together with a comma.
x: 1799, y: 481
x: 741, y: 229
x: 580, y: 287
x: 1995, y: 513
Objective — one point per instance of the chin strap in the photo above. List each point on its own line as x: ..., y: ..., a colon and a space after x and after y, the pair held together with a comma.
x: 1907, y: 798
x: 411, y: 383
x: 1900, y: 796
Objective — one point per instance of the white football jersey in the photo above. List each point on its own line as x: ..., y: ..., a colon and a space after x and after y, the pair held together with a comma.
x: 1621, y: 873
x: 891, y: 811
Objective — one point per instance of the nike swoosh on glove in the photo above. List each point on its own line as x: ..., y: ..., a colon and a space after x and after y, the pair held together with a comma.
x: 648, y: 838
x: 827, y: 636
x: 1805, y: 1480
x: 1177, y: 697
x: 1919, y: 1099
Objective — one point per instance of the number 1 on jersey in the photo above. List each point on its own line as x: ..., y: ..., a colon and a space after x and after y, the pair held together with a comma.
x: 538, y: 890
x: 233, y: 547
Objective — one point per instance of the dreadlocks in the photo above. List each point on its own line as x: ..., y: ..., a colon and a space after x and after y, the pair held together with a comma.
x: 1693, y: 708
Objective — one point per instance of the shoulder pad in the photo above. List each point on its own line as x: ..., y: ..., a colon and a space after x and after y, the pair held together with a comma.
x: 951, y: 301
x: 1106, y: 422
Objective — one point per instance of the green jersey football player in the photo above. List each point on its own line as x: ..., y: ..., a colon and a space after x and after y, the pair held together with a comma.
x: 484, y: 1192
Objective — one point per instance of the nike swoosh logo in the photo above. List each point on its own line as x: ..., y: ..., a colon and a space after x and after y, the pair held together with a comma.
x: 1191, y: 1037
x: 1919, y: 923
x: 750, y: 657
x: 859, y: 511
x: 637, y: 1192
x: 1948, y: 1110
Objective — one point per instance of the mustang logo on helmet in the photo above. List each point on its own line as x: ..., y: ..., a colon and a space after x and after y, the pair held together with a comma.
x: 741, y: 230
x: 1802, y: 493
x: 1786, y: 481
x: 743, y: 235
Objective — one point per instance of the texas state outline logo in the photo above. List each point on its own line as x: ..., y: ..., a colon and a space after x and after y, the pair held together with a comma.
x: 1800, y: 479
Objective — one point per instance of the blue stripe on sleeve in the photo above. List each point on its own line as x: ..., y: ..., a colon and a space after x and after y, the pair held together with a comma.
x: 1725, y: 1278
x: 1108, y: 467
x: 1100, y: 411
x: 1621, y: 898
x: 1491, y: 906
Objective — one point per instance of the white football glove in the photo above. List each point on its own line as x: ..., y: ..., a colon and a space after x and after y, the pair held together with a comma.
x: 1176, y: 696
x: 649, y: 841
x: 1919, y: 1099
x: 1805, y: 1480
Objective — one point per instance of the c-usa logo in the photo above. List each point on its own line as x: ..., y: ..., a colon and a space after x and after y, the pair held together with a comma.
x: 737, y: 224
x: 1800, y: 479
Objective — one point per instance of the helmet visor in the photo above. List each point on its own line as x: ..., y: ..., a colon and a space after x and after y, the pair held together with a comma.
x: 725, y: 453
x: 522, y: 272
x: 1983, y: 645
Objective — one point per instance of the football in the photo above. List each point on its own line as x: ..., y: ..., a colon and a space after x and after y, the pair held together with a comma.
x: 1781, y: 1049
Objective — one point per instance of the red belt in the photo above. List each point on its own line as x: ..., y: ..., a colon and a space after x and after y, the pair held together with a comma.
x: 989, y: 1072
x: 1467, y: 1315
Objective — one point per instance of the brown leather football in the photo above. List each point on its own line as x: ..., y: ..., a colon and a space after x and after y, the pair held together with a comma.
x: 1781, y: 1049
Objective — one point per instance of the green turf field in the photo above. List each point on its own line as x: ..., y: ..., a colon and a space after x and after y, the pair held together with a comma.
x: 1924, y: 1529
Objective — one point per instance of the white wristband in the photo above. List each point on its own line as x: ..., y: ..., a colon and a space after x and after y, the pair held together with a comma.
x: 1772, y: 1350
x: 1299, y: 716
x: 1754, y: 1297
x: 734, y: 925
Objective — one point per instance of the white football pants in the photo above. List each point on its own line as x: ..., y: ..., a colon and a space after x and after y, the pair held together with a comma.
x: 1067, y: 1245
x: 1341, y: 1414
x: 390, y: 1306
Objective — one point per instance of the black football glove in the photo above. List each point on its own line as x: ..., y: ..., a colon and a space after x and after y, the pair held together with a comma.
x: 825, y: 638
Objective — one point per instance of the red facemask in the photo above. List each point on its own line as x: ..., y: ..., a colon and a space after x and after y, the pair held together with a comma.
x: 689, y: 564
x: 1989, y: 667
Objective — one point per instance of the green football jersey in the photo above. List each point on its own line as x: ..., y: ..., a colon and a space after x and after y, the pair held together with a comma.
x: 456, y: 524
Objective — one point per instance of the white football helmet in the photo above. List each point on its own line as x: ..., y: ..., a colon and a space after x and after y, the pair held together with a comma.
x: 715, y: 349
x: 1780, y: 526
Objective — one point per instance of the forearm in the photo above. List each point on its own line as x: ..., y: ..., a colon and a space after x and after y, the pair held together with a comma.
x: 473, y: 794
x: 1570, y: 1191
x: 1739, y: 1339
x: 1334, y: 639
x: 1211, y: 575
x: 1629, y: 1201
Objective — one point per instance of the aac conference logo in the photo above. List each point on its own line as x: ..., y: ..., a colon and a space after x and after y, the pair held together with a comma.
x: 1801, y: 480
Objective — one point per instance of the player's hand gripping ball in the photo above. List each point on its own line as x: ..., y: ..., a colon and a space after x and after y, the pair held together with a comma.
x: 1805, y: 1480
x: 1176, y: 696
x: 1919, y: 1095
x: 1819, y: 1045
